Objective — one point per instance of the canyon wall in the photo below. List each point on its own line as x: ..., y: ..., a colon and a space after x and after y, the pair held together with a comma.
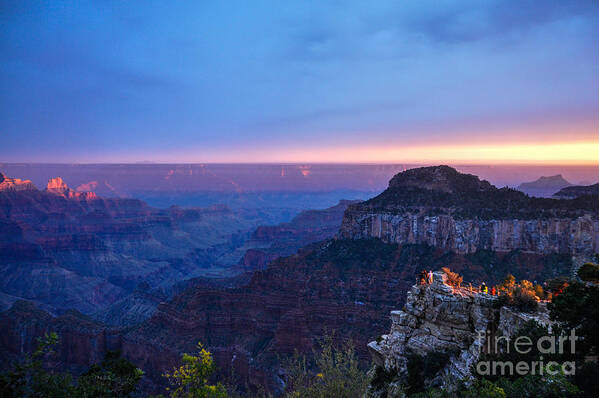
x: 458, y: 212
x: 575, y: 236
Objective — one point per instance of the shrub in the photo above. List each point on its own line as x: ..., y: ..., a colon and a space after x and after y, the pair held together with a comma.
x: 113, y: 377
x: 589, y: 272
x: 190, y: 380
x: 520, y: 296
x: 557, y: 285
x: 524, y: 299
x: 539, y: 292
x: 533, y: 386
x: 508, y: 284
x: 334, y: 373
x: 453, y: 278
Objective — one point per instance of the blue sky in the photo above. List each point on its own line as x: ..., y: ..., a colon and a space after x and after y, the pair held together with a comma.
x: 292, y: 80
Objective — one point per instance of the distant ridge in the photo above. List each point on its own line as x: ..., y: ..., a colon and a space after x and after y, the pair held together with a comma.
x: 544, y: 186
x: 573, y: 192
x: 442, y: 190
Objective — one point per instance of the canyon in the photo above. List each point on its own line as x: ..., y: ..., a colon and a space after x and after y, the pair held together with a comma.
x: 281, y: 300
x: 68, y: 249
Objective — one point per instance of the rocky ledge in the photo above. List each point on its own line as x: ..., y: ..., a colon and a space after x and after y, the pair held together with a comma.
x: 440, y: 319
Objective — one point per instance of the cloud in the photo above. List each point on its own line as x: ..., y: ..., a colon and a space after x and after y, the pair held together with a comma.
x: 158, y: 76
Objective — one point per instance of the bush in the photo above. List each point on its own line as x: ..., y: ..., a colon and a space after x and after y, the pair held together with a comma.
x: 578, y: 308
x: 589, y: 272
x: 453, y: 278
x: 539, y: 292
x: 113, y: 377
x: 508, y: 284
x: 533, y: 386
x: 524, y: 299
x: 521, y: 296
x: 190, y: 380
x: 557, y: 285
x: 335, y: 373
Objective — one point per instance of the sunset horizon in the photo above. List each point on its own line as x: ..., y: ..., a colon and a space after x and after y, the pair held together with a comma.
x: 299, y: 198
x: 456, y: 82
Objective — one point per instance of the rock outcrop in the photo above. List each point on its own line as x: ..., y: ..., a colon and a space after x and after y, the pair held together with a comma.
x: 59, y: 187
x: 14, y: 184
x: 440, y: 319
x: 544, y: 187
x: 458, y: 212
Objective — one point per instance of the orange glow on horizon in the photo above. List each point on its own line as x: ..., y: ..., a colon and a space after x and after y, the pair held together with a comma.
x: 583, y: 153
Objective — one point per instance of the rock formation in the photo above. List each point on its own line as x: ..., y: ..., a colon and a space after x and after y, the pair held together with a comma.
x: 14, y: 184
x: 440, y: 319
x: 272, y: 241
x: 59, y: 187
x: 458, y: 212
x: 544, y: 186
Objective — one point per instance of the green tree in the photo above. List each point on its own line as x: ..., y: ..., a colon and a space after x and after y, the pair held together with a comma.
x: 28, y: 378
x: 336, y: 373
x: 577, y: 307
x: 533, y: 386
x: 113, y: 377
x: 589, y: 272
x: 190, y: 380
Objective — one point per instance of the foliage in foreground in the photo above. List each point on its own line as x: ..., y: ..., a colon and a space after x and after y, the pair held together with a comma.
x: 190, y: 380
x: 589, y: 272
x: 521, y: 296
x: 453, y: 278
x: 335, y: 372
x: 578, y: 308
x: 113, y: 377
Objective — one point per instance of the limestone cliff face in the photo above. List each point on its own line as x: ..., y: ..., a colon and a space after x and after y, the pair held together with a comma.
x: 558, y: 235
x: 457, y: 212
x: 59, y: 187
x: 438, y: 318
x: 14, y: 184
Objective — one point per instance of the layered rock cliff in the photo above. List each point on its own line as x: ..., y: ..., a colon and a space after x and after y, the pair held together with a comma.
x: 458, y: 212
x: 14, y: 184
x: 272, y: 241
x: 438, y: 319
x: 59, y: 187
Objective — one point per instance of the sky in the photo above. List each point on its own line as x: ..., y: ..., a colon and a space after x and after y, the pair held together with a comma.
x: 300, y: 81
